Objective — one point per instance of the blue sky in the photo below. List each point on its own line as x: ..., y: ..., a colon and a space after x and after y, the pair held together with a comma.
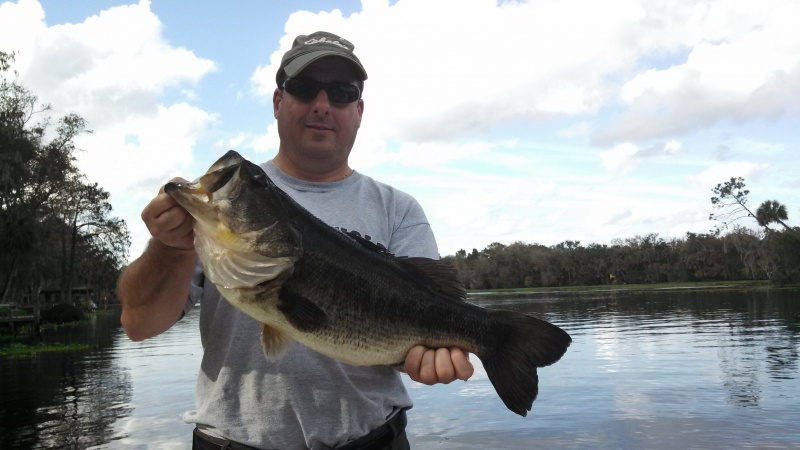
x: 535, y: 121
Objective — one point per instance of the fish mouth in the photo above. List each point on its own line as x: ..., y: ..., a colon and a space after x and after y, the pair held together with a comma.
x: 191, y: 195
x: 229, y: 259
x: 197, y: 196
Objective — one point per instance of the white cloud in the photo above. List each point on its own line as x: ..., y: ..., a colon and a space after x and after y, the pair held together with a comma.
x: 724, y: 172
x: 625, y: 157
x: 441, y: 80
x: 620, y: 158
x: 492, y: 62
x: 157, y: 147
x: 267, y: 142
x: 20, y: 24
x: 103, y: 68
x: 742, y: 66
x: 113, y: 69
x: 496, y: 85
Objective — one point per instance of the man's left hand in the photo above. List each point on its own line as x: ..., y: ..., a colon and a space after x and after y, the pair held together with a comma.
x: 443, y: 365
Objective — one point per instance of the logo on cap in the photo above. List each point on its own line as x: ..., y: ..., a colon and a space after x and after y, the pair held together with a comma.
x: 323, y: 40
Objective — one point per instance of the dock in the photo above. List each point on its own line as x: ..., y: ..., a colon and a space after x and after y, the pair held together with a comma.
x: 13, y: 318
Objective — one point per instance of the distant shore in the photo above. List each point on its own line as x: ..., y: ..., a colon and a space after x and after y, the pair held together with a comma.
x: 700, y: 285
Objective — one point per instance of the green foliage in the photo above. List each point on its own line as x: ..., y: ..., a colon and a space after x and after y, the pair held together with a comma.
x: 742, y: 254
x: 56, y: 228
x: 730, y: 203
x: 20, y: 351
x: 771, y: 211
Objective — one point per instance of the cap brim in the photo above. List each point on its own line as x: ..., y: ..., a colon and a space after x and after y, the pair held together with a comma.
x: 299, y: 63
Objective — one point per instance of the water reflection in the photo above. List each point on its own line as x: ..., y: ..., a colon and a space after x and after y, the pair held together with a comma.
x: 720, y: 366
x: 659, y: 370
x: 65, y: 400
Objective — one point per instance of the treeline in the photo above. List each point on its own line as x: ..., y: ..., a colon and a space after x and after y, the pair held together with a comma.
x: 729, y: 253
x: 56, y: 228
x: 742, y: 254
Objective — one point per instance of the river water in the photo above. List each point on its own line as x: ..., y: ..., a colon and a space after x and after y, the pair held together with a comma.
x: 659, y: 370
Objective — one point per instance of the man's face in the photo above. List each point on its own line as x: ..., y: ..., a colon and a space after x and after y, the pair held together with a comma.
x: 319, y: 130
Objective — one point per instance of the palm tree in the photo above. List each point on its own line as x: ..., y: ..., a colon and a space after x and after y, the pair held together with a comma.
x: 773, y: 211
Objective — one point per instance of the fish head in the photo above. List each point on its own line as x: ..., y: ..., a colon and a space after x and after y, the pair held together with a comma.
x: 243, y: 235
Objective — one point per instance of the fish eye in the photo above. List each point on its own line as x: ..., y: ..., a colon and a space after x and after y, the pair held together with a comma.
x: 260, y: 180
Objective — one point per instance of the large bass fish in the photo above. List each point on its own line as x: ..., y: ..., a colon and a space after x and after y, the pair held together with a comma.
x: 342, y: 296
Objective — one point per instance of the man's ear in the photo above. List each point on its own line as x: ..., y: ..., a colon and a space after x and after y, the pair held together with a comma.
x: 277, y: 96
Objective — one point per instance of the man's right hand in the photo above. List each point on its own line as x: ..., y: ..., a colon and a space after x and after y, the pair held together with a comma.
x: 168, y: 222
x: 154, y: 288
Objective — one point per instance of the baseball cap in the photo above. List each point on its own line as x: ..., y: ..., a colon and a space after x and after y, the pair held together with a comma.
x: 308, y: 48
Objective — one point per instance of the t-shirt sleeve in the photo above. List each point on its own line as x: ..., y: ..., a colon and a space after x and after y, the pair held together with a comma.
x: 413, y: 235
x: 195, y: 288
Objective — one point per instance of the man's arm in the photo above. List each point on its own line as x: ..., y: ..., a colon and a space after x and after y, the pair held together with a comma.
x: 154, y: 289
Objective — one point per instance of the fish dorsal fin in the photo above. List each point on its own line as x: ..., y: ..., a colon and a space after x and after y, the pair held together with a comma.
x: 366, y: 243
x: 440, y: 275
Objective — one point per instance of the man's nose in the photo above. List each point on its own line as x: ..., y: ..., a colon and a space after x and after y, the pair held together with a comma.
x: 321, y: 102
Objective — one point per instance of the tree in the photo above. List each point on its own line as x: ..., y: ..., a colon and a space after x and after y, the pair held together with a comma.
x: 46, y: 205
x: 773, y: 211
x: 731, y: 201
x: 29, y: 174
x: 85, y: 211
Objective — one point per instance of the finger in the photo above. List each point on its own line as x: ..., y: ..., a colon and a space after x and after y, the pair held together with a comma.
x: 180, y: 230
x: 445, y: 372
x: 157, y: 206
x: 413, y: 362
x: 163, y: 218
x: 463, y: 367
x: 427, y: 368
x: 186, y: 226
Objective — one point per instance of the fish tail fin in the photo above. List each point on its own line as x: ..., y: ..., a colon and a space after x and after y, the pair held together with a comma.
x: 525, y: 343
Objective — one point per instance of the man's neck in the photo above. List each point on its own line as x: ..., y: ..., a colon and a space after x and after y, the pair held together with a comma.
x: 321, y: 172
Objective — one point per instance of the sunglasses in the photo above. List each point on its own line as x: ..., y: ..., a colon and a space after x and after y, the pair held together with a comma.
x: 308, y: 90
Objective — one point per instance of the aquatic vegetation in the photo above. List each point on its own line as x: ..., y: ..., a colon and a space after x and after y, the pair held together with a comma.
x: 19, y: 351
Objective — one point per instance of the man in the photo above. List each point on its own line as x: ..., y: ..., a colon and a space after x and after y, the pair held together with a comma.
x: 304, y: 400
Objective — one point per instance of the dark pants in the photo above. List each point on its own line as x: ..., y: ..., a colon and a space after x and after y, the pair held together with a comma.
x: 389, y: 436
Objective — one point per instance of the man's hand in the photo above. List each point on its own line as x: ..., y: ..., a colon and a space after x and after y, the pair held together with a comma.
x: 168, y: 222
x: 431, y: 366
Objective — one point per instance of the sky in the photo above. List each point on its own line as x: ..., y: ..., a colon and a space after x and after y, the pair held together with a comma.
x: 540, y: 121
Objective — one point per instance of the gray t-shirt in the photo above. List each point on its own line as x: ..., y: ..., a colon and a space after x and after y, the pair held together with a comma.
x: 305, y: 399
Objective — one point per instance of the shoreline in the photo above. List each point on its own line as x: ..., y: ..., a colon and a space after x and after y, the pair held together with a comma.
x: 748, y: 285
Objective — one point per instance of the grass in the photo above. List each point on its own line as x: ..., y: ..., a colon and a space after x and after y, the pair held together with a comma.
x: 710, y: 285
x: 12, y: 345
x: 21, y: 351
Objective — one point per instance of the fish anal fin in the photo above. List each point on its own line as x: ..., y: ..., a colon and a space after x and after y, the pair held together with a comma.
x: 301, y: 312
x: 274, y: 343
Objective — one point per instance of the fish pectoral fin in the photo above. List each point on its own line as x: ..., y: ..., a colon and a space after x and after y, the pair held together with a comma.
x: 274, y: 343
x: 301, y: 312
